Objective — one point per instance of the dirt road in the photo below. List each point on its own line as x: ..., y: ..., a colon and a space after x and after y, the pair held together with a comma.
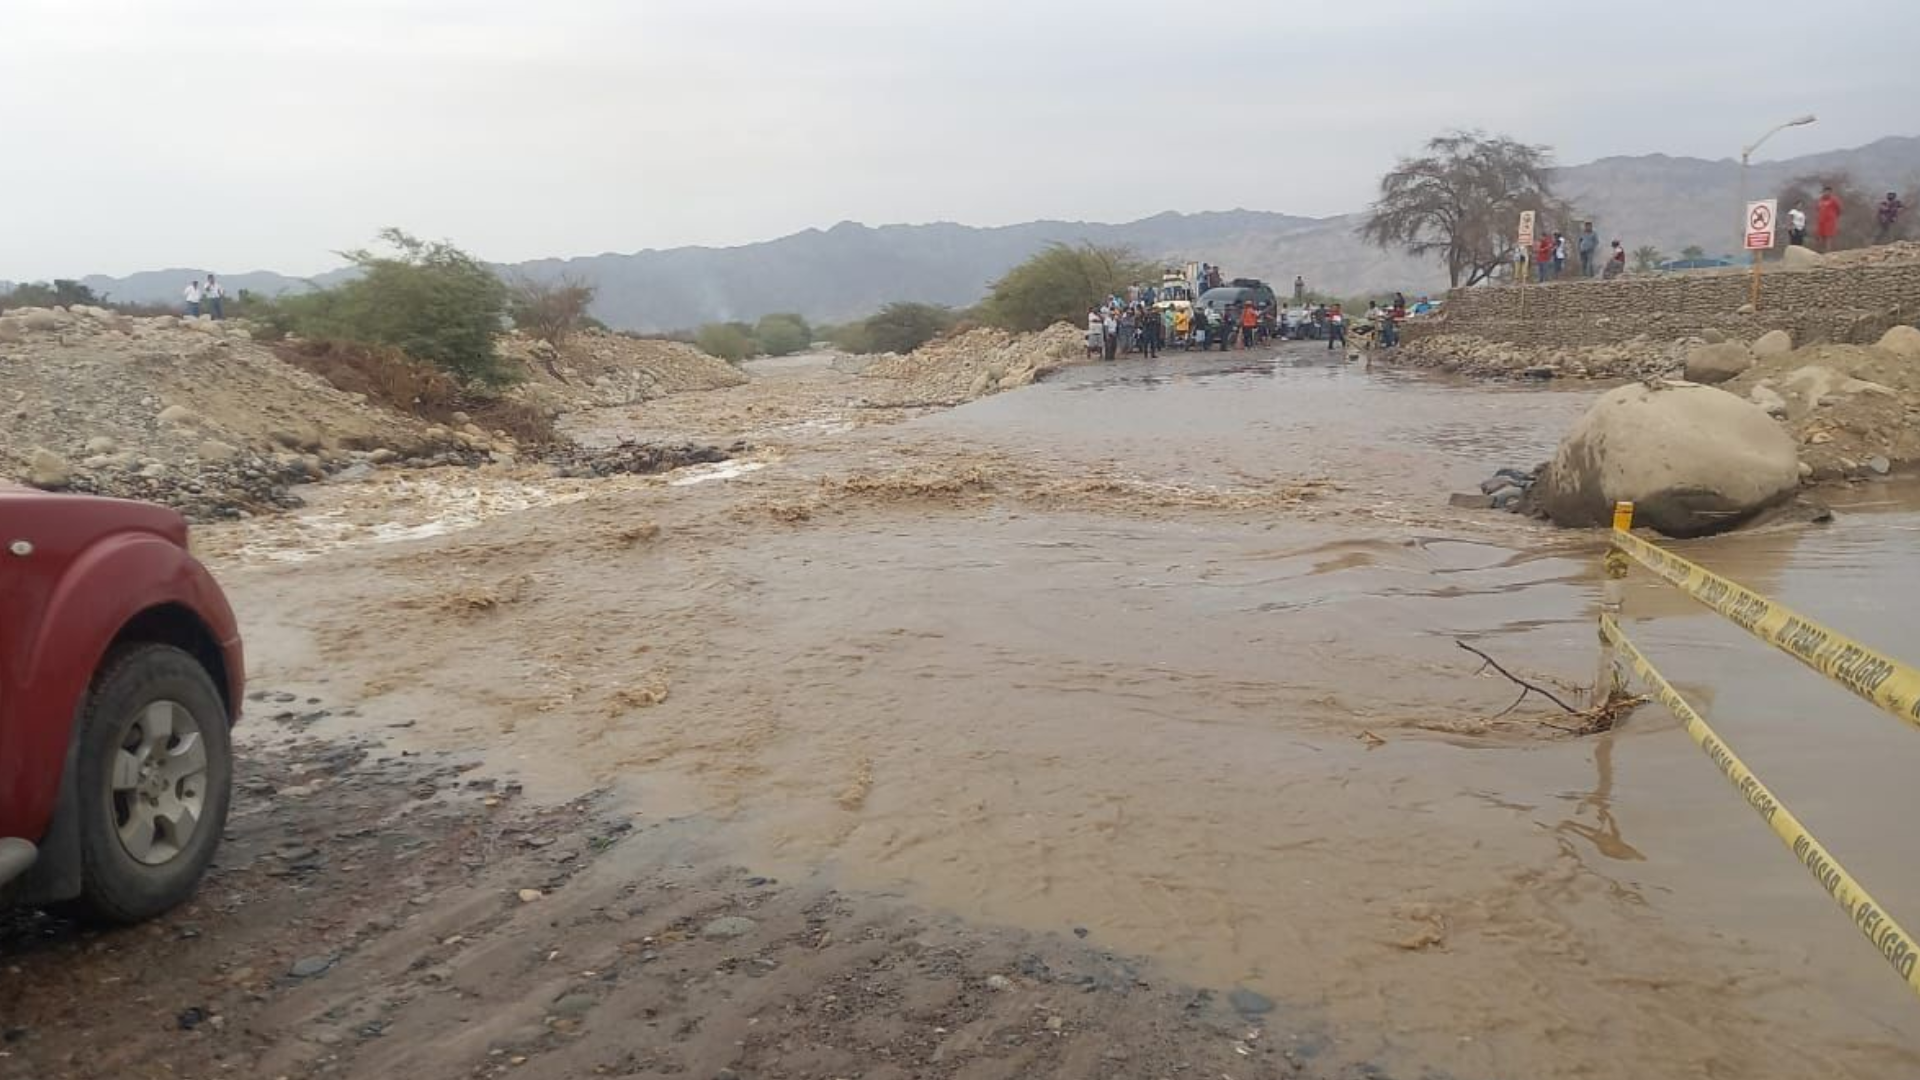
x: 1108, y: 727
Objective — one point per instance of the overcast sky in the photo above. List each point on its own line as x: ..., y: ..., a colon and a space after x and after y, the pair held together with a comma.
x: 267, y: 134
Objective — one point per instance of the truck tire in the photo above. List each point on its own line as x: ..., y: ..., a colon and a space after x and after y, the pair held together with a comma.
x: 155, y: 770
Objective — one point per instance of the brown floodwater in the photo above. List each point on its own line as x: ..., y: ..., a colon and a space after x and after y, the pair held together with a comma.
x: 1246, y: 744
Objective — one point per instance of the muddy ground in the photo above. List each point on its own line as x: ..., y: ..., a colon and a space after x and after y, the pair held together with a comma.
x: 1109, y: 727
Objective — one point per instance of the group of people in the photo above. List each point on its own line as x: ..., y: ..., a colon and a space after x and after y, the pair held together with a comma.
x: 1826, y: 219
x: 1141, y: 326
x: 1550, y: 255
x: 211, y: 294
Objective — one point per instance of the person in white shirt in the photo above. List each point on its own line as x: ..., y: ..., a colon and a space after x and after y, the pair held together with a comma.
x: 193, y: 299
x: 214, y: 292
x: 1797, y: 225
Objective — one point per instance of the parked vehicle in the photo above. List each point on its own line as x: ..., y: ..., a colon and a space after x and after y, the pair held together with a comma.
x: 121, y: 676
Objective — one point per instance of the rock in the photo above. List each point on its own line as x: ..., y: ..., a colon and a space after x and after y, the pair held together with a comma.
x: 47, y: 470
x: 1463, y: 500
x: 1717, y: 363
x: 1902, y: 341
x: 1743, y: 309
x: 384, y: 456
x: 1507, y: 497
x: 1712, y: 336
x: 1879, y: 465
x: 1773, y: 343
x: 41, y: 319
x: 308, y: 966
x: 1247, y: 1003
x: 461, y: 419
x: 528, y: 896
x: 1693, y: 460
x: 574, y: 1005
x: 176, y: 416
x: 728, y: 927
x: 982, y: 383
x: 999, y: 983
x: 214, y: 451
x: 1806, y: 471
x: 1769, y: 399
x: 11, y: 330
x: 1799, y: 258
x: 101, y: 444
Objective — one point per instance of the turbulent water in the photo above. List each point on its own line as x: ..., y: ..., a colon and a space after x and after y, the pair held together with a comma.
x: 1235, y: 737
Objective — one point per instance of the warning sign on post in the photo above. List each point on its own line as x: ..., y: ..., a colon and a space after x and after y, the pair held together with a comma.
x: 1760, y: 219
x: 1526, y: 228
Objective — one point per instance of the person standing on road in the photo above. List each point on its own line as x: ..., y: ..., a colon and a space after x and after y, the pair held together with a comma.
x: 1183, y: 326
x: 192, y: 295
x: 1249, y: 323
x: 1110, y: 332
x: 1888, y: 216
x: 1826, y: 218
x: 1588, y: 246
x: 214, y: 293
x: 1797, y: 225
x: 1336, y: 328
x: 1096, y: 333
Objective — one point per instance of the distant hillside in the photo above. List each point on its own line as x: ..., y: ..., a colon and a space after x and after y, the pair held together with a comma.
x: 850, y: 270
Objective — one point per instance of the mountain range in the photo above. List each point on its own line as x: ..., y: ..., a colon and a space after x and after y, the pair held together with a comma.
x: 851, y: 270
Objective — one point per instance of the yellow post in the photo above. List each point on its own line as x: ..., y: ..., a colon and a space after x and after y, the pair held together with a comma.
x: 1612, y: 674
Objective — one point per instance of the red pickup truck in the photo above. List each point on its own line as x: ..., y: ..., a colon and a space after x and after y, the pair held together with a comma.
x: 120, y: 679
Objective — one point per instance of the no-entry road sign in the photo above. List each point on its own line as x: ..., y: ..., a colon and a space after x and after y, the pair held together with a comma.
x: 1760, y: 219
x: 1526, y: 228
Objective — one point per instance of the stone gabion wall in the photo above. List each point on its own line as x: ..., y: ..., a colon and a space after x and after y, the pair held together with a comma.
x: 1844, y: 304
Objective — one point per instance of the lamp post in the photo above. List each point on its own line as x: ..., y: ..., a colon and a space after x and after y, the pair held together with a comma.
x: 1746, y: 158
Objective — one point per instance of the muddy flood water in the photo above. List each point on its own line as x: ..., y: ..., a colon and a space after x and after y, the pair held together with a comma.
x: 1229, y: 734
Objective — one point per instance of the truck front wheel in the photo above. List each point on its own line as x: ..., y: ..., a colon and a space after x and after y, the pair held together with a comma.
x: 155, y: 770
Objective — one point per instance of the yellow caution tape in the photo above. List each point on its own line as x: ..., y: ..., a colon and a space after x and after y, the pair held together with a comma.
x: 1879, y: 678
x: 1879, y: 928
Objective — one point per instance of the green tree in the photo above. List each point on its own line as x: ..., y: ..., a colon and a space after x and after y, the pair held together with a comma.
x: 783, y: 334
x: 1060, y: 283
x: 430, y: 300
x: 903, y: 326
x: 1693, y: 251
x: 732, y: 342
x: 1462, y: 200
x: 59, y: 294
x: 552, y: 311
x: 1646, y: 257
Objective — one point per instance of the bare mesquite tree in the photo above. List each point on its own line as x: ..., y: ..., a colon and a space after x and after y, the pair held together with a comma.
x: 1462, y: 200
x: 550, y: 310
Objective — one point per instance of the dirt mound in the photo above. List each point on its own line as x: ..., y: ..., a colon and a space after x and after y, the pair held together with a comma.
x: 192, y: 414
x: 977, y: 363
x: 598, y: 369
x: 1852, y: 408
x: 1903, y: 251
x: 388, y: 377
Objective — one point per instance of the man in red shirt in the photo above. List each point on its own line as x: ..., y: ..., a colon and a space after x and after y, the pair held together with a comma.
x: 1543, y: 256
x: 1826, y: 218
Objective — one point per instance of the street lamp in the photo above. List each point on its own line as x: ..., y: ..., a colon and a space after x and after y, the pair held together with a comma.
x: 1746, y: 156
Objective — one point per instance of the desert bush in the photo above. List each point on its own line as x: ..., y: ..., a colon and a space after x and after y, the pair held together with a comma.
x: 904, y: 326
x: 552, y: 311
x: 732, y: 342
x: 430, y: 300
x: 1060, y: 283
x: 782, y: 334
x: 395, y: 380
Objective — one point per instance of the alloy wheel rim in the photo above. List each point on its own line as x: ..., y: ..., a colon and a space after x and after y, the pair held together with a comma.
x: 157, y: 787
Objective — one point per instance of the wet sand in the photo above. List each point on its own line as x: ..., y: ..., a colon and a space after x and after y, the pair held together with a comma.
x: 1166, y: 652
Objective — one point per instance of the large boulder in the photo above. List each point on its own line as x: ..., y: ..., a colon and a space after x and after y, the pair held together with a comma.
x: 1799, y: 258
x: 1718, y: 363
x: 1692, y: 459
x: 1903, y: 341
x: 1773, y: 343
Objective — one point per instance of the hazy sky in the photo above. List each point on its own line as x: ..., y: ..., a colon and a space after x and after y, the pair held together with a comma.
x: 142, y: 134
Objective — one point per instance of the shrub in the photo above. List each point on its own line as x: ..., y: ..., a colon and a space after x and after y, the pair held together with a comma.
x: 783, y: 334
x: 732, y: 342
x: 552, y: 311
x: 904, y: 326
x: 430, y: 300
x: 389, y: 377
x: 1060, y: 283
